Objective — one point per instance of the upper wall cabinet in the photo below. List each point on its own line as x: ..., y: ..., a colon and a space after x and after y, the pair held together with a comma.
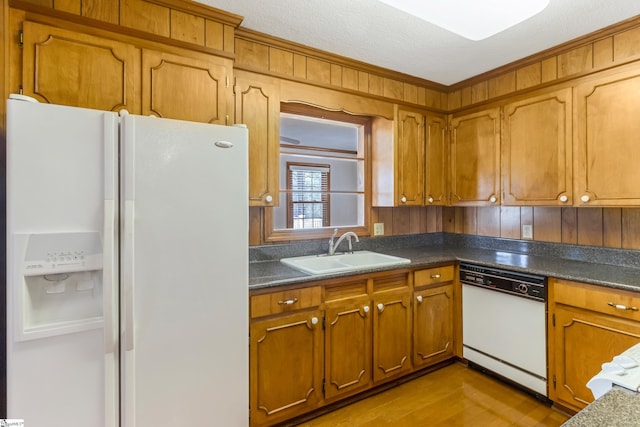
x: 68, y: 68
x: 195, y: 88
x: 257, y: 100
x: 606, y: 148
x: 475, y: 158
x: 437, y: 161
x: 536, y: 150
x: 409, y: 157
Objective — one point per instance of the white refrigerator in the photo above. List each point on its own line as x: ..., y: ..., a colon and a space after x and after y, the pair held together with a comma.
x: 127, y: 270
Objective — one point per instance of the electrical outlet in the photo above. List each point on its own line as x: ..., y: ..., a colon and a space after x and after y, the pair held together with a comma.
x: 378, y: 229
x: 527, y: 231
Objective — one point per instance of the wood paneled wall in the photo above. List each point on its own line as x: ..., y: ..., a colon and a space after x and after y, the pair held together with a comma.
x: 605, y: 227
x: 178, y: 20
x: 603, y: 49
x: 264, y: 54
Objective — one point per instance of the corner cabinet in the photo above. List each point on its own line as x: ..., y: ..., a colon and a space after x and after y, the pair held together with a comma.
x: 537, y: 150
x: 588, y: 326
x: 475, y: 158
x: 257, y: 105
x: 606, y: 153
x: 70, y: 68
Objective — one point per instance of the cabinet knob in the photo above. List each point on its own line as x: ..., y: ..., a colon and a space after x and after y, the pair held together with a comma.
x: 365, y: 308
x: 585, y: 198
x: 314, y: 320
x: 419, y: 298
x: 493, y: 199
x: 269, y: 198
x: 563, y: 198
x: 403, y: 199
x: 430, y: 199
x: 380, y: 307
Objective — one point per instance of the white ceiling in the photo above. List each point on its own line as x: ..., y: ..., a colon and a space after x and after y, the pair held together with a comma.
x: 372, y: 32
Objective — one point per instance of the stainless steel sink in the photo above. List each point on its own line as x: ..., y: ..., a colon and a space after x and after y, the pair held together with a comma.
x: 360, y: 260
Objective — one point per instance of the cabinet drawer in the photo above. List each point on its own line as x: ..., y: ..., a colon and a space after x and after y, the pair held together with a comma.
x: 597, y: 298
x: 430, y: 276
x: 285, y: 301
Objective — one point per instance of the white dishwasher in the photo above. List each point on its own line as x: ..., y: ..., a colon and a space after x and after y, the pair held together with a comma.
x: 504, y: 325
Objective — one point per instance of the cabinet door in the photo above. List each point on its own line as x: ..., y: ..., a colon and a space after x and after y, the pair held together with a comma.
x: 536, y: 150
x: 391, y: 335
x: 584, y: 340
x: 432, y: 325
x: 285, y: 366
x: 257, y: 102
x: 475, y: 158
x: 68, y: 68
x: 409, y: 148
x: 186, y: 88
x: 606, y: 148
x: 437, y: 161
x: 347, y: 347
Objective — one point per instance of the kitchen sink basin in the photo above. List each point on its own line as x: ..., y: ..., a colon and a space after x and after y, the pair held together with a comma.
x: 360, y: 260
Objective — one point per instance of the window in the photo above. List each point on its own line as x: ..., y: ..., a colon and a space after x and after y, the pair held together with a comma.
x: 308, y: 195
x: 325, y: 174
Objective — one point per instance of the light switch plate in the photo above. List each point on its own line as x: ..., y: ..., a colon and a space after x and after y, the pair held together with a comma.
x: 378, y: 229
x: 527, y: 231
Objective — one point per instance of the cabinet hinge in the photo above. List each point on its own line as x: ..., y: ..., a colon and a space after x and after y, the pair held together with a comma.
x: 20, y: 38
x: 553, y: 319
x: 226, y: 81
x: 226, y: 120
x: 554, y: 381
x: 20, y: 89
x: 324, y: 323
x: 323, y: 386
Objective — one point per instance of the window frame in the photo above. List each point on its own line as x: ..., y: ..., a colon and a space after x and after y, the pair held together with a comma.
x: 281, y: 235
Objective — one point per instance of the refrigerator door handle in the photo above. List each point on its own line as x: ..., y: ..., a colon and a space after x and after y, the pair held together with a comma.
x: 127, y: 284
x: 108, y: 278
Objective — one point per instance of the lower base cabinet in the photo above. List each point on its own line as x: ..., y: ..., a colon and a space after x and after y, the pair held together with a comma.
x: 588, y: 326
x: 321, y: 342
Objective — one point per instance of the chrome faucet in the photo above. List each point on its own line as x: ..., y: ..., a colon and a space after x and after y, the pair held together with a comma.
x: 348, y: 235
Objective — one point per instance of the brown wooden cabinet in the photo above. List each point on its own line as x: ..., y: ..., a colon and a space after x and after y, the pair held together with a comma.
x: 347, y: 346
x: 433, y: 307
x: 70, y: 68
x: 475, y: 158
x: 257, y: 105
x: 586, y: 330
x: 537, y: 150
x: 194, y: 87
x: 285, y: 355
x: 409, y: 157
x: 606, y: 151
x: 436, y: 161
x: 391, y: 327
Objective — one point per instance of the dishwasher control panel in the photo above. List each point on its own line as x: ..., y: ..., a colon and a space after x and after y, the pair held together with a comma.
x: 523, y: 284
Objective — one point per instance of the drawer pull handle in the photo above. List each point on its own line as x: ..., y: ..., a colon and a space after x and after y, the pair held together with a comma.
x: 435, y: 276
x: 622, y: 307
x: 288, y: 302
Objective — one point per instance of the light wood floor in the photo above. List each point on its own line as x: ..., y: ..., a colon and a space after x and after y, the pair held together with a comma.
x: 452, y: 396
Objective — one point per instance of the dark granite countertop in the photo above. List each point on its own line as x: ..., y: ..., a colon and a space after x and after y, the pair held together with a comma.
x: 618, y: 408
x: 269, y: 273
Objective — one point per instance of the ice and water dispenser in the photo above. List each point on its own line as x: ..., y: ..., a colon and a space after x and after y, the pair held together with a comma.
x: 58, y: 290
